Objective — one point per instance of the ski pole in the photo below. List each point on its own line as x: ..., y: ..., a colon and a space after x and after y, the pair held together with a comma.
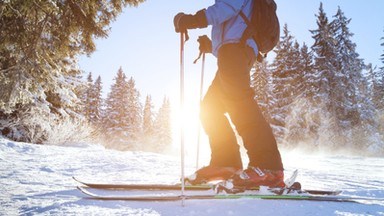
x: 182, y: 113
x: 201, y: 98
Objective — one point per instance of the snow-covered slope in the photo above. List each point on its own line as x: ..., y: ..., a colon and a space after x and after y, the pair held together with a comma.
x: 37, y: 180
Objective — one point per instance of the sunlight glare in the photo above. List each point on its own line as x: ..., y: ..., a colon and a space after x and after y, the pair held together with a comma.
x: 189, y: 116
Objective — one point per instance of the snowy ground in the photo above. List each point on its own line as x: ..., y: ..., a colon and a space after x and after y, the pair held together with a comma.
x: 37, y: 180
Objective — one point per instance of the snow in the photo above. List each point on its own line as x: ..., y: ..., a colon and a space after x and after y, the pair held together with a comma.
x: 37, y: 180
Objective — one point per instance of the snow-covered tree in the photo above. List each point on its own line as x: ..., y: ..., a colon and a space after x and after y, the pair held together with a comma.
x: 148, y: 117
x: 149, y: 139
x: 261, y: 82
x: 40, y: 41
x: 283, y: 71
x: 39, y: 44
x: 122, y: 118
x: 134, y: 110
x: 324, y: 59
x: 378, y: 95
x: 92, y: 100
x: 163, y: 127
x: 116, y: 112
x: 96, y: 102
x: 301, y: 121
x: 349, y: 74
x: 325, y: 63
x: 378, y: 83
x: 86, y: 97
x: 307, y: 72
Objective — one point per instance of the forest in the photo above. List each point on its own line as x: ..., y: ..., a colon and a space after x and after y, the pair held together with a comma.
x: 319, y: 96
x: 323, y: 96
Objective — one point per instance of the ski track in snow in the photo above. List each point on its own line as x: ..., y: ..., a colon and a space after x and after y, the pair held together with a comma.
x: 37, y: 180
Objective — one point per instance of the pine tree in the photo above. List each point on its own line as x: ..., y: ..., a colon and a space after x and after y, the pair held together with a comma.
x: 378, y: 85
x: 307, y: 72
x: 148, y: 115
x: 378, y: 97
x: 163, y: 127
x: 40, y: 41
x: 87, y: 97
x: 149, y: 139
x: 349, y: 74
x: 355, y: 112
x: 134, y: 110
x: 116, y: 118
x: 324, y: 57
x: 122, y: 118
x: 96, y: 102
x: 300, y: 122
x: 310, y: 116
x: 325, y: 63
x: 39, y: 44
x: 261, y: 82
x: 283, y: 71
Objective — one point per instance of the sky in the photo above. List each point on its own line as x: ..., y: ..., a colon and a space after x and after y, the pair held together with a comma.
x: 143, y: 42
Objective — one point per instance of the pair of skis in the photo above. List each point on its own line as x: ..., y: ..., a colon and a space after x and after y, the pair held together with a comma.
x: 292, y: 191
x: 289, y: 182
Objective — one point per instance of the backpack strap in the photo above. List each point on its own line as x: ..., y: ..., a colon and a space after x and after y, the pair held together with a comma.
x: 248, y: 33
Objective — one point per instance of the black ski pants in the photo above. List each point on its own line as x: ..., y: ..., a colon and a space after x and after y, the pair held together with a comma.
x: 230, y: 93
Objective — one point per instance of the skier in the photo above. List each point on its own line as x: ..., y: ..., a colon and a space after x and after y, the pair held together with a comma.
x: 230, y: 93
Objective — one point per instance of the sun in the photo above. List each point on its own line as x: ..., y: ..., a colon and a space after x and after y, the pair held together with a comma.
x: 187, y: 119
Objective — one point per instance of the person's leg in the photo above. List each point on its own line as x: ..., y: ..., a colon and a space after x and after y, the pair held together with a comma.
x: 235, y: 63
x: 224, y: 148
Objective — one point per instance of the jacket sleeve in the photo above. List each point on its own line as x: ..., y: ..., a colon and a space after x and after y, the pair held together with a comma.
x: 223, y: 10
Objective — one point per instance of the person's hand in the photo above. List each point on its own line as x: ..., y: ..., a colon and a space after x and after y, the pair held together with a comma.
x: 205, y: 44
x: 183, y: 21
x: 179, y: 26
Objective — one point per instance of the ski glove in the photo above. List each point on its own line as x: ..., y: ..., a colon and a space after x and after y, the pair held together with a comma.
x: 184, y: 21
x: 205, y: 44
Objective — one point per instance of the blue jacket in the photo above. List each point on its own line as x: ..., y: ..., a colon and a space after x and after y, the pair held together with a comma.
x: 227, y: 25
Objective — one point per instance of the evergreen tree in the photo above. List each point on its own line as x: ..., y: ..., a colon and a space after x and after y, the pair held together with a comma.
x: 378, y: 83
x: 283, y: 71
x: 40, y: 41
x: 149, y: 140
x: 307, y: 72
x: 39, y: 44
x: 122, y: 118
x: 378, y: 96
x: 116, y: 119
x: 134, y: 110
x: 163, y: 127
x: 382, y: 55
x: 349, y: 74
x: 148, y: 115
x: 355, y: 112
x: 88, y: 96
x: 325, y: 63
x: 300, y: 121
x: 324, y: 58
x: 96, y: 102
x: 261, y: 82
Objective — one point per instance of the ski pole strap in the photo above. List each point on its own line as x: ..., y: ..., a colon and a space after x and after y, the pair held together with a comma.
x: 200, y: 54
x: 186, y: 36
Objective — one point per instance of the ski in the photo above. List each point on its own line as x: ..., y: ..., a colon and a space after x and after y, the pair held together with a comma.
x: 295, y: 188
x: 291, y: 185
x: 161, y: 197
x: 289, y: 182
x: 143, y: 186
